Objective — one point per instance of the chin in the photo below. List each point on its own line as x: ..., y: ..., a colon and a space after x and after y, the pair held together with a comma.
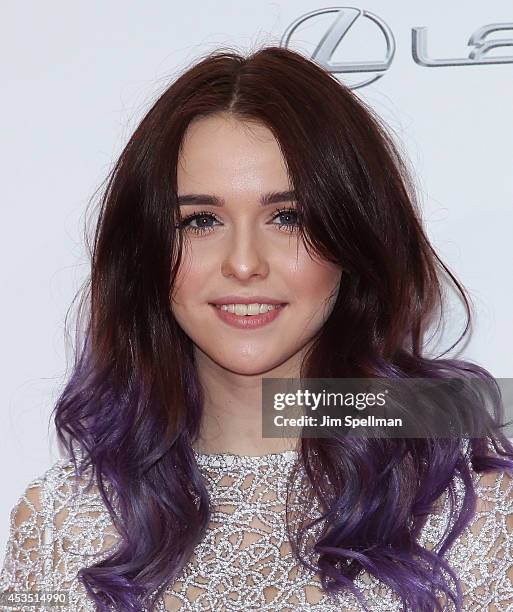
x: 247, y: 365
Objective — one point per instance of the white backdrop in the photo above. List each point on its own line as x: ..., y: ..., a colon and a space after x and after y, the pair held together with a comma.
x: 76, y: 79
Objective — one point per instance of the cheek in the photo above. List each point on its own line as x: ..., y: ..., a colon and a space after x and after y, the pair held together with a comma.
x: 313, y: 281
x: 189, y: 280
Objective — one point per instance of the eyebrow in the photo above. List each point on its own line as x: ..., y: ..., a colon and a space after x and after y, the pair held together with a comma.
x: 273, y: 197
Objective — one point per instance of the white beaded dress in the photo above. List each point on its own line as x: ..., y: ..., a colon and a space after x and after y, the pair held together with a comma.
x: 245, y: 560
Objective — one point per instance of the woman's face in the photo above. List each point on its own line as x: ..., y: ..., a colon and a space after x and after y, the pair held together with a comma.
x: 244, y: 249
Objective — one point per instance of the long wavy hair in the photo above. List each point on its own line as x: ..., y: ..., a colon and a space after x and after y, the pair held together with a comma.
x: 132, y: 406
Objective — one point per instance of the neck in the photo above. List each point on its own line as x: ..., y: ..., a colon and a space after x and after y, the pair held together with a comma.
x: 232, y: 411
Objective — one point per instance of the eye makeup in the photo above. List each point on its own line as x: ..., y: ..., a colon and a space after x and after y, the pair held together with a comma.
x: 185, y: 222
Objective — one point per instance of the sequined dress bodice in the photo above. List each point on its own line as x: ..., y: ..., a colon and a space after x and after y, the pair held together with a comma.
x: 245, y: 561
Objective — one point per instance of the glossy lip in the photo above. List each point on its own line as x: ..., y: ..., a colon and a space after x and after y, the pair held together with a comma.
x: 248, y: 321
x: 254, y: 299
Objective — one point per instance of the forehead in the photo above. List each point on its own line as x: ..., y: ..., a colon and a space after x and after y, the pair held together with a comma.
x: 222, y: 152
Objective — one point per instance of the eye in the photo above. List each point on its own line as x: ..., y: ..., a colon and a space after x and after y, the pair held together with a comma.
x: 288, y: 212
x: 202, y: 227
x: 203, y: 218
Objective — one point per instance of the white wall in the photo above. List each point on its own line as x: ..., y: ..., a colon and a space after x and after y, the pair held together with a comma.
x: 76, y: 78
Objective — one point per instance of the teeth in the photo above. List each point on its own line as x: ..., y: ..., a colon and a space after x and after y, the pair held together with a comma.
x: 248, y: 309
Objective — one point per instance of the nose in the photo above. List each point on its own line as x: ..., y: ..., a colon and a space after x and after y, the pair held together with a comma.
x: 245, y: 255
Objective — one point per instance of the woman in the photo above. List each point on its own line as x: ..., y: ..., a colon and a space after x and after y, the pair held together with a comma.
x: 260, y: 180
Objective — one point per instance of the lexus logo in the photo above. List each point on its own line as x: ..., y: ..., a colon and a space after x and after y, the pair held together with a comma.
x: 344, y: 18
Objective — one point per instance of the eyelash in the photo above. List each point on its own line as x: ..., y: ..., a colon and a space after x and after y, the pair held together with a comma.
x: 205, y: 213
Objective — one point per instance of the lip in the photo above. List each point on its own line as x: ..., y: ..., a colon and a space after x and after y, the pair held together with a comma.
x: 253, y: 299
x: 248, y: 321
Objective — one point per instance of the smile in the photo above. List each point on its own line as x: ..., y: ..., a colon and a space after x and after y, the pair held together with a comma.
x: 248, y: 316
x: 247, y: 309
